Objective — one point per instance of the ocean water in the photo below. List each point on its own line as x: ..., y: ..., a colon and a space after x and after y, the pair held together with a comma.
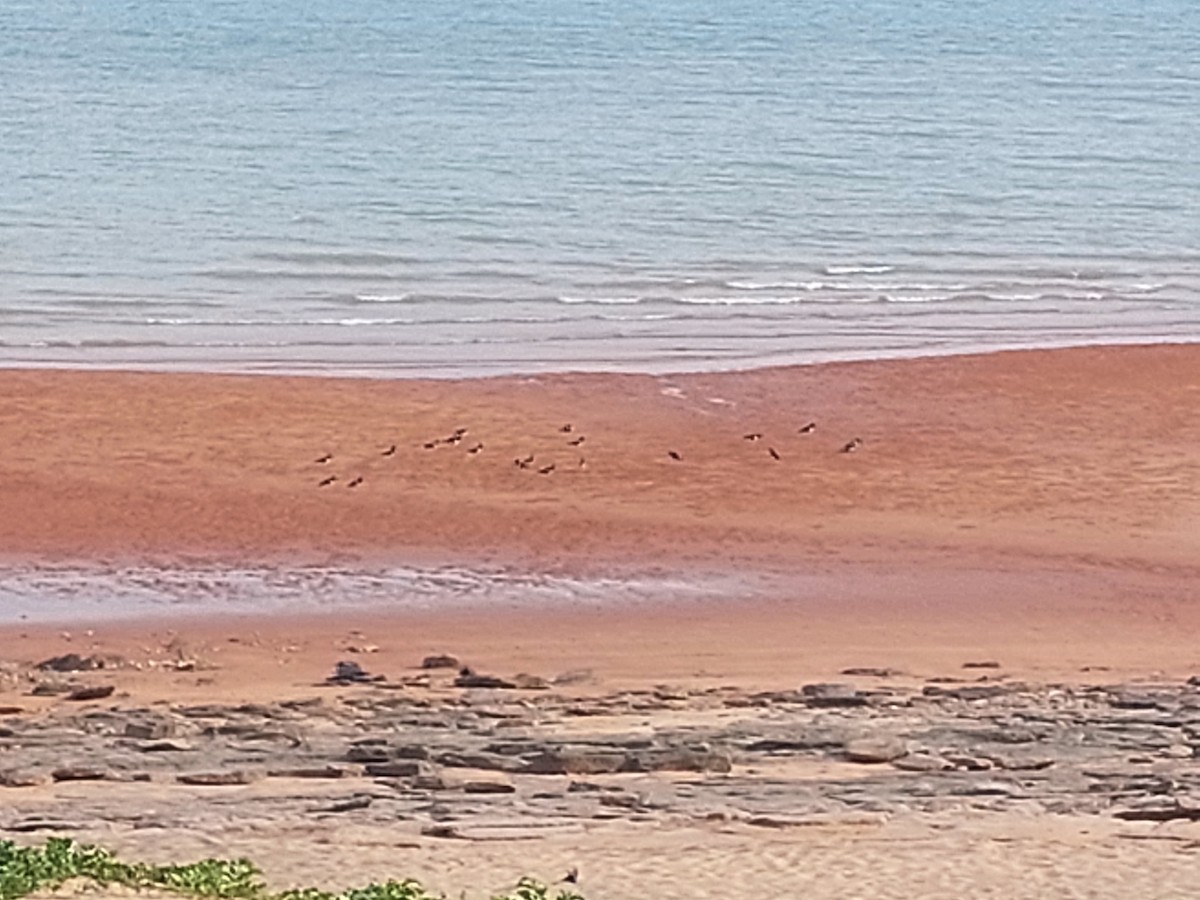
x: 477, y: 187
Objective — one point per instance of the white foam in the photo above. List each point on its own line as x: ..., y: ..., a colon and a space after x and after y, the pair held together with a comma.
x: 859, y: 270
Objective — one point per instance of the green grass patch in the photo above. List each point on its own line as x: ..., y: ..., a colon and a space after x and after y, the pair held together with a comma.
x: 24, y: 870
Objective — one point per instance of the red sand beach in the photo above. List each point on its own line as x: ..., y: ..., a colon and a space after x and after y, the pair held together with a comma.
x: 1038, y: 508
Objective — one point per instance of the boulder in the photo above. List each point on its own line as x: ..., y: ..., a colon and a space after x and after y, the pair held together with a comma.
x: 834, y: 694
x: 875, y: 750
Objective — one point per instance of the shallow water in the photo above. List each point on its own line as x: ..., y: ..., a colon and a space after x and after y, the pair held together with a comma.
x: 422, y: 189
x: 92, y: 594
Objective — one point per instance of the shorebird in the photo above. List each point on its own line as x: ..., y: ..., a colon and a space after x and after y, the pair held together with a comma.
x: 431, y: 445
x: 460, y: 432
x: 327, y: 481
x: 774, y: 454
x: 476, y: 448
x: 582, y: 463
x: 572, y: 876
x: 389, y: 451
x: 567, y: 429
x: 752, y: 436
x: 575, y: 443
x: 851, y: 446
x: 524, y: 461
x: 809, y: 428
x: 355, y: 482
x: 324, y: 459
x: 675, y: 456
x: 546, y: 470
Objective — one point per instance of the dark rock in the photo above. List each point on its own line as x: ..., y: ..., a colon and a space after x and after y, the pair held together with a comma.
x: 982, y: 664
x: 369, y: 753
x: 488, y: 787
x: 349, y: 672
x: 11, y: 710
x: 872, y: 672
x: 71, y: 662
x: 79, y: 773
x: 361, y: 801
x: 440, y: 661
x: 832, y: 695
x: 495, y: 762
x: 164, y: 747
x: 398, y: 768
x: 217, y: 779
x: 469, y: 679
x: 99, y: 692
x: 329, y: 771
x: 50, y: 689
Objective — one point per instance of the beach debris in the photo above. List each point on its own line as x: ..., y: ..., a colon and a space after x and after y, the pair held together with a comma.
x: 440, y: 661
x: 349, y: 672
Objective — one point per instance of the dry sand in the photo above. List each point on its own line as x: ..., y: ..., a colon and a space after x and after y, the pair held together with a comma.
x: 1038, y: 507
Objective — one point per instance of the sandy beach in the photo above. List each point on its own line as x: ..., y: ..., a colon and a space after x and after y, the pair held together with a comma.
x: 1034, y: 511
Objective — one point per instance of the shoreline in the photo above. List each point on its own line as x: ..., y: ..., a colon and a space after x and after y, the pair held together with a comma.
x: 327, y: 370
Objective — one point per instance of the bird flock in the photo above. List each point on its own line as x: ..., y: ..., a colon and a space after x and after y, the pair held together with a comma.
x: 530, y: 462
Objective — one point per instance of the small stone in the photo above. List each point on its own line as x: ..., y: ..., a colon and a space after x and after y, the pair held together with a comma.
x: 982, y: 664
x: 398, y: 768
x: 216, y: 779
x: 79, y: 773
x: 488, y: 787
x: 99, y: 692
x: 312, y: 772
x: 872, y: 672
x: 921, y: 762
x: 874, y: 750
x: 70, y: 662
x: 440, y: 661
x: 530, y: 682
x: 149, y: 731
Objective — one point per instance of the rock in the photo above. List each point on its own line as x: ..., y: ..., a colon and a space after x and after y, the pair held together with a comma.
x: 495, y: 762
x: 968, y: 692
x: 150, y: 731
x: 330, y: 771
x: 982, y: 664
x: 18, y: 779
x: 488, y: 787
x: 369, y: 753
x: 399, y: 768
x: 217, y: 779
x: 575, y: 761
x: 359, y: 801
x: 872, y: 672
x: 832, y: 695
x: 99, y: 692
x: 79, y: 773
x: 50, y: 689
x: 70, y: 662
x: 440, y: 831
x: 969, y: 763
x: 921, y: 762
x: 469, y: 679
x: 874, y: 750
x: 677, y: 759
x: 349, y: 672
x: 11, y: 710
x: 440, y: 661
x: 525, y: 682
x: 164, y: 747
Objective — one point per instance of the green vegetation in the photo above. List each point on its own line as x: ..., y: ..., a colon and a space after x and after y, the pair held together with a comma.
x: 24, y: 870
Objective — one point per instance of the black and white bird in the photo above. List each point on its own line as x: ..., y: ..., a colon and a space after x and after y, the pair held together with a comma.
x: 809, y: 428
x: 390, y: 451
x: 327, y: 481
x: 774, y: 454
x: 355, y: 482
x: 851, y: 446
x: 324, y: 459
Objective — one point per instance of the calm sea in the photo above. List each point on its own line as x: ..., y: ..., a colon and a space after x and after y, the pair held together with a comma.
x: 479, y: 186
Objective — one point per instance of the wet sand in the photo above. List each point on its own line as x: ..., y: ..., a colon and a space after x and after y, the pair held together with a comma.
x: 1039, y: 508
